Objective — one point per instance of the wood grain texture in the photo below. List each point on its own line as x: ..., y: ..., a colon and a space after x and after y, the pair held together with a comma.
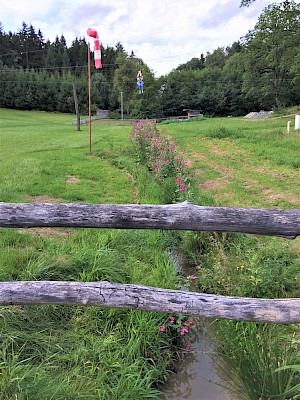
x: 106, y: 294
x: 181, y: 216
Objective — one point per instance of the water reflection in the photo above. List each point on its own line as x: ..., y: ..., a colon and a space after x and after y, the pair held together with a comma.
x: 196, y: 377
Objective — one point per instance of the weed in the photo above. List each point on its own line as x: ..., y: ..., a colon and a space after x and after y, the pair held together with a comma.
x: 256, y: 359
x: 159, y: 152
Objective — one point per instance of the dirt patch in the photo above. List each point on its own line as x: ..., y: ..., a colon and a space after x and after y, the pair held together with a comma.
x: 198, y: 156
x: 218, y: 152
x: 214, y: 184
x: 133, y: 181
x: 295, y: 248
x: 44, y: 199
x: 271, y: 196
x: 47, y: 232
x: 224, y: 170
x: 249, y: 183
x: 214, y: 165
x: 198, y: 172
x: 230, y: 153
x: 267, y: 171
x: 130, y: 177
x: 72, y: 179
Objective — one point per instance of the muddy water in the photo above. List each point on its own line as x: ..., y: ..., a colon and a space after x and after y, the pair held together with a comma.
x: 196, y: 377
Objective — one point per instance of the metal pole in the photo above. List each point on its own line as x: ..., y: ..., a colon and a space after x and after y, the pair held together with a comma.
x: 89, y: 91
x: 122, y: 112
x: 297, y: 121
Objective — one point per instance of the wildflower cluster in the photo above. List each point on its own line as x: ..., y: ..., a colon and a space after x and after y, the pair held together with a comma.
x: 188, y: 283
x: 141, y: 136
x: 181, y: 324
x: 160, y: 153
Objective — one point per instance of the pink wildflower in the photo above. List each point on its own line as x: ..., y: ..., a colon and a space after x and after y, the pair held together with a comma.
x: 162, y: 329
x: 188, y: 345
x: 183, y: 187
x: 183, y: 331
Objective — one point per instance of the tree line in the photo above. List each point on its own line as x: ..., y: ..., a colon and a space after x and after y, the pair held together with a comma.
x: 260, y: 71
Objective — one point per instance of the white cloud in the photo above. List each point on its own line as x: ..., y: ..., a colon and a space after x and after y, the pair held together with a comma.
x: 163, y: 34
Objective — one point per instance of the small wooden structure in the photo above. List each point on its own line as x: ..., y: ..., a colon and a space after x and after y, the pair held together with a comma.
x: 102, y: 113
x: 193, y: 113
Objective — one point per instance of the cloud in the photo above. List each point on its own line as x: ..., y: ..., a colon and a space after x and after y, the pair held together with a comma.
x: 163, y: 34
x: 219, y: 16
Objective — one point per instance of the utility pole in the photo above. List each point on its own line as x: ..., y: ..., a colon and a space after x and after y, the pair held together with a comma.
x: 122, y: 108
x: 76, y: 105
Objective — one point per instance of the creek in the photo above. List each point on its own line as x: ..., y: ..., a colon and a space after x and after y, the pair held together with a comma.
x: 196, y: 376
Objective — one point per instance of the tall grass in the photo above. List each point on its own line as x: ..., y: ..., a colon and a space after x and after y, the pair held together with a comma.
x: 255, y: 360
x: 60, y: 352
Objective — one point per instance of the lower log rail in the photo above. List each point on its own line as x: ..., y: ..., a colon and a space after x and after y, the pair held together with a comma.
x: 138, y: 297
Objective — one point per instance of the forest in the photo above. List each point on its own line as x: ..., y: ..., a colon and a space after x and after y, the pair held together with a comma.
x: 261, y: 71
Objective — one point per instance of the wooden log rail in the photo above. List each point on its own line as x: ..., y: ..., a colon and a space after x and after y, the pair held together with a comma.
x: 106, y: 294
x: 181, y: 216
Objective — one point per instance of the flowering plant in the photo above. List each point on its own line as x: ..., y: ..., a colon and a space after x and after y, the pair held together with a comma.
x: 161, y: 154
x: 181, y: 324
x: 141, y: 135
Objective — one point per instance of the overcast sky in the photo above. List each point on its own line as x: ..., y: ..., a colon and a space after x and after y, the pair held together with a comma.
x: 164, y: 33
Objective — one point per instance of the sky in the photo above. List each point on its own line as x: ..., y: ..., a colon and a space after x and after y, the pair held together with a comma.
x: 164, y: 33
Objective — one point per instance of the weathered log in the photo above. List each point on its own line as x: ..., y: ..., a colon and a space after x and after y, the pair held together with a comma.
x: 106, y: 294
x: 181, y: 216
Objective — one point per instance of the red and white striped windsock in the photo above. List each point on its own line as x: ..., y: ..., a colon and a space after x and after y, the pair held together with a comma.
x: 97, y: 51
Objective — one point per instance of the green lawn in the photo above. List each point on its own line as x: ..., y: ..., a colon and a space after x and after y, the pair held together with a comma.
x: 49, y: 352
x: 243, y: 163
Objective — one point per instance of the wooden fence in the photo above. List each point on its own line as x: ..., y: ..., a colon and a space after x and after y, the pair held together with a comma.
x: 182, y: 216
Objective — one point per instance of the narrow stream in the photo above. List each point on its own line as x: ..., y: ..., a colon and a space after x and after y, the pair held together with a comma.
x: 196, y: 377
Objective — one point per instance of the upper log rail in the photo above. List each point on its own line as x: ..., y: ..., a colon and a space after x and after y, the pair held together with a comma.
x: 181, y: 216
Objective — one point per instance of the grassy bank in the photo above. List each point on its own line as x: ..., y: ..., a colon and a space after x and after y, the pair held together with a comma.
x: 246, y: 163
x: 50, y: 352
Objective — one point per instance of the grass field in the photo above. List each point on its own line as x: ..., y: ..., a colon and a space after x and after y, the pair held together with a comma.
x: 243, y: 163
x: 76, y: 352
x: 88, y: 353
x: 247, y: 163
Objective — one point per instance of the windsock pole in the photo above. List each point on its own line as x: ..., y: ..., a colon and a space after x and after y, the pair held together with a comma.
x: 89, y: 94
x: 97, y: 56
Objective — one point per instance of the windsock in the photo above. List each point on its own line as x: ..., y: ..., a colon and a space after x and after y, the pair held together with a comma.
x: 97, y: 52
